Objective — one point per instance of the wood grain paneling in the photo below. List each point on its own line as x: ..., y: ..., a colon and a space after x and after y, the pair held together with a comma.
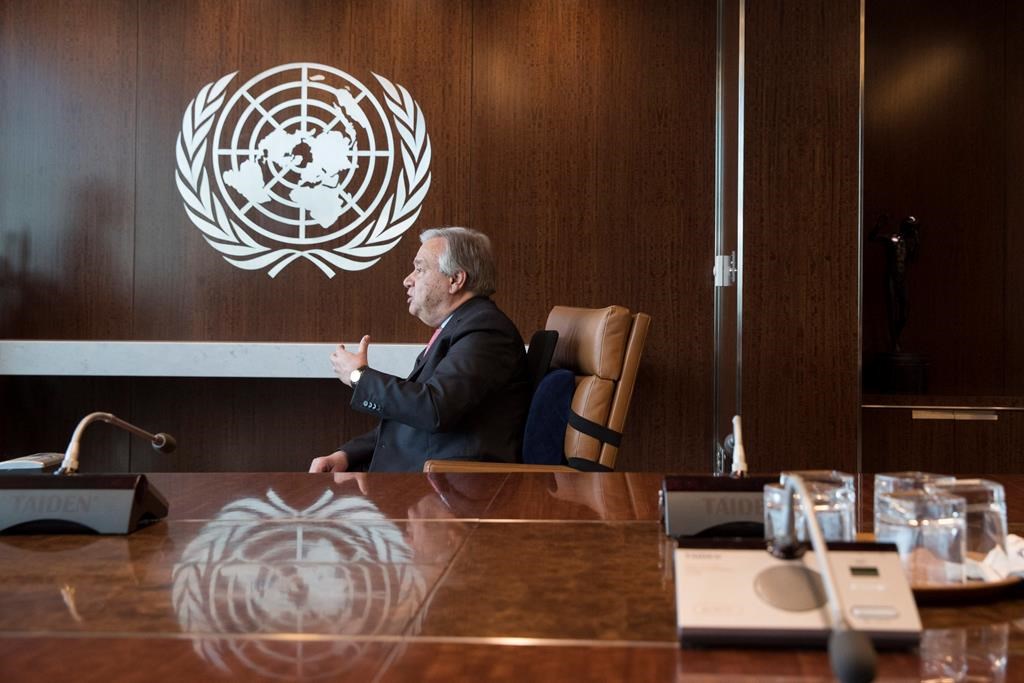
x: 250, y: 425
x: 991, y: 446
x: 1013, y: 299
x: 67, y: 143
x: 935, y: 130
x: 592, y: 158
x: 184, y: 288
x: 40, y: 414
x: 579, y: 135
x: 893, y: 441
x: 800, y: 350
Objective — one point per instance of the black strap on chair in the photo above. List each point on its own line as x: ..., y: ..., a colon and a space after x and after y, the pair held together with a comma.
x: 584, y: 465
x: 590, y: 428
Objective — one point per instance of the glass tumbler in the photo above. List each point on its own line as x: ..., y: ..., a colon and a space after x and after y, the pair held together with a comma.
x: 986, y: 514
x: 887, y: 482
x: 834, y: 500
x: 930, y: 531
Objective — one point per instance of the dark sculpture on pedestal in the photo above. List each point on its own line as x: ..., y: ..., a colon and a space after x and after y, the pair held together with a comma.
x: 897, y: 371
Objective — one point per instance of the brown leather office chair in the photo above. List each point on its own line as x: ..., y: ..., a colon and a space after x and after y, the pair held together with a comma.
x: 602, y: 347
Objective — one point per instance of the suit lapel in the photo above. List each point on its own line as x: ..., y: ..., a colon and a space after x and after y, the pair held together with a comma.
x: 424, y: 360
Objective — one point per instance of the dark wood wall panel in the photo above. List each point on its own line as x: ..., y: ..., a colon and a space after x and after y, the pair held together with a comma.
x: 1013, y: 299
x: 935, y: 130
x: 579, y: 135
x: 40, y: 414
x: 592, y: 153
x: 67, y: 143
x: 184, y: 288
x: 991, y: 446
x: 894, y: 442
x: 252, y: 424
x: 800, y: 398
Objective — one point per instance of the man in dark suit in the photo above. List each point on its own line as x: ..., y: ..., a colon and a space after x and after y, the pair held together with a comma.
x: 468, y: 394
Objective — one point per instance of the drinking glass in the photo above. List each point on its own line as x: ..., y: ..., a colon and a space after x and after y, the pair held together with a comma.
x: 929, y: 529
x: 986, y: 514
x: 974, y: 653
x: 834, y: 500
x: 887, y: 482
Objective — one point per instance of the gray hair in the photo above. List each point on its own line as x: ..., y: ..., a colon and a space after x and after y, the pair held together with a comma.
x: 469, y: 251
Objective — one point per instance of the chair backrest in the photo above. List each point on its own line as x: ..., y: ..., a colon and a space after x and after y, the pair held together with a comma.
x: 602, y: 347
x: 539, y: 355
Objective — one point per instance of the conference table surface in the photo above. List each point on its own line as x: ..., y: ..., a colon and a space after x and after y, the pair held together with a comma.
x: 440, y: 577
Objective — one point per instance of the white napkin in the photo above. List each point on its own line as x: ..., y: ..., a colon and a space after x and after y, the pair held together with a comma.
x: 998, y: 565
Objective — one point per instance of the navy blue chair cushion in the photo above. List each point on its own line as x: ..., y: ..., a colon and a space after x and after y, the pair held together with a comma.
x: 544, y: 438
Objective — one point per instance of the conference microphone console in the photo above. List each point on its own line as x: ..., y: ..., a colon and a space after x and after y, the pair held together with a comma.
x: 736, y: 592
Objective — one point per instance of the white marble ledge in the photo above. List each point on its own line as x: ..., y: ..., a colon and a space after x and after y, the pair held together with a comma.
x: 190, y: 359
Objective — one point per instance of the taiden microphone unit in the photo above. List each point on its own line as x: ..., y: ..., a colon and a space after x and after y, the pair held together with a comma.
x: 68, y: 502
x: 716, y: 506
x: 735, y: 592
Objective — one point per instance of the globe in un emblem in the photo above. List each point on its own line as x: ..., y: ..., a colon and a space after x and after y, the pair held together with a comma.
x: 330, y: 571
x: 307, y: 163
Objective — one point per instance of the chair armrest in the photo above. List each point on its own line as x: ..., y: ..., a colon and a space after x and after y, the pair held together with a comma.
x: 477, y: 466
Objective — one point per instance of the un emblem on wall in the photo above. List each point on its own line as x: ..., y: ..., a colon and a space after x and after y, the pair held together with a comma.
x: 303, y: 162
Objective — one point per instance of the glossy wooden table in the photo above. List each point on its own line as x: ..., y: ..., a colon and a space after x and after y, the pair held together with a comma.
x: 407, y: 577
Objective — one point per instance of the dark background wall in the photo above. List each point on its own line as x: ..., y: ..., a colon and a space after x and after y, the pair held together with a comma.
x: 800, y: 334
x: 942, y: 142
x: 579, y: 135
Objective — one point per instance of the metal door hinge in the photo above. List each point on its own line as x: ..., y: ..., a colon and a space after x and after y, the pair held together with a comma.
x: 725, y: 270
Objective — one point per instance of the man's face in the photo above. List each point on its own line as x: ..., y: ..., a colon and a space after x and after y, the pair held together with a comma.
x: 429, y: 290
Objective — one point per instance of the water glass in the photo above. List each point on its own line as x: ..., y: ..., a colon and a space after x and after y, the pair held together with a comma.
x: 986, y: 514
x: 887, y: 482
x: 974, y: 653
x: 833, y: 497
x: 930, y: 531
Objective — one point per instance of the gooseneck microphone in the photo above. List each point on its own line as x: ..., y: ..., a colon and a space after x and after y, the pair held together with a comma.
x: 162, y: 442
x: 850, y: 652
x: 739, y: 453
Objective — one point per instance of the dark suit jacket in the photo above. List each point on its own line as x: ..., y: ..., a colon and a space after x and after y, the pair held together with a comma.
x: 466, y: 398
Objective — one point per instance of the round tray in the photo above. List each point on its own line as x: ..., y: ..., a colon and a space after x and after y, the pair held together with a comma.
x: 972, y: 591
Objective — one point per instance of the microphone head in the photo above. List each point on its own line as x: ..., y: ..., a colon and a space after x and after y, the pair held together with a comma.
x: 852, y: 656
x: 786, y: 547
x: 164, y: 443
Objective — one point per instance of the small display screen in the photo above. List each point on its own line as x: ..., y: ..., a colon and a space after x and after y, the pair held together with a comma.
x: 864, y: 571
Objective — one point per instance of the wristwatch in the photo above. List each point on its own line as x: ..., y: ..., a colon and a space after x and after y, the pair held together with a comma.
x: 356, y: 374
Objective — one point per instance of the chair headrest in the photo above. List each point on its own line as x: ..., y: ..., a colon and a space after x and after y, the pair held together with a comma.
x: 591, y: 341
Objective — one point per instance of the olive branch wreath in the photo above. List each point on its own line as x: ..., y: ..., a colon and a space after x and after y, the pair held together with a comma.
x: 200, y: 578
x: 206, y: 210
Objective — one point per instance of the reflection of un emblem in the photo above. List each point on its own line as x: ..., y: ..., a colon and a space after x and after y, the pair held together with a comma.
x: 317, y: 582
x: 306, y: 163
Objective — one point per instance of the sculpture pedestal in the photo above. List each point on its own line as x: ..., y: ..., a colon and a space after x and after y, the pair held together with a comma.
x: 896, y: 373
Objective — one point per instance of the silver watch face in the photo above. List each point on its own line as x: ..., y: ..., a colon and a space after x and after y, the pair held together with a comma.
x: 355, y: 375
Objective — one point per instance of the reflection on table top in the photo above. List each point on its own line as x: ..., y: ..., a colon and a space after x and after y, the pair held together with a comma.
x: 424, y: 577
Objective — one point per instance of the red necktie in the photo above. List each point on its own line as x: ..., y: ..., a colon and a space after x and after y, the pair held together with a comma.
x: 432, y: 338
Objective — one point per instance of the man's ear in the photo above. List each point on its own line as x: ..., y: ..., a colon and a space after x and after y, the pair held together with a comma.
x: 458, y: 281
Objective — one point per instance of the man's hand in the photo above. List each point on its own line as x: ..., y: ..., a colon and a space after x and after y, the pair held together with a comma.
x: 344, y: 362
x: 335, y: 462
